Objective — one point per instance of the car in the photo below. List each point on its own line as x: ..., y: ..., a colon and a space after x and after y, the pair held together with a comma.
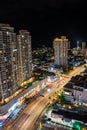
x: 41, y: 95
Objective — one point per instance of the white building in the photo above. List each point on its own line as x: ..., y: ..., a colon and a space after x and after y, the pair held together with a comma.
x: 61, y: 50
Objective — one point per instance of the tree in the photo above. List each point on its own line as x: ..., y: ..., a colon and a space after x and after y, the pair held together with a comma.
x: 62, y: 98
x: 77, y: 126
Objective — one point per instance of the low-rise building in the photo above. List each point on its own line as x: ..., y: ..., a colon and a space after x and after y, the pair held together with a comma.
x: 76, y: 90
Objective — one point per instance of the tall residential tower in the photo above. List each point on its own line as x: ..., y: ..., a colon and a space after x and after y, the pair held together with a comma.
x: 24, y: 55
x: 8, y: 62
x: 61, y: 50
x: 83, y: 46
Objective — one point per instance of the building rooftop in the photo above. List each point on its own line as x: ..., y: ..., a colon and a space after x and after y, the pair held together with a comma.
x: 61, y: 39
x: 4, y: 25
x: 71, y: 115
x: 78, y: 80
x: 69, y: 85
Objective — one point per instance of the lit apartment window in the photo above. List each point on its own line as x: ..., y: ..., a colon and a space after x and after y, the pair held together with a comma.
x: 9, y: 77
x: 22, y: 36
x: 4, y: 81
x: 0, y: 52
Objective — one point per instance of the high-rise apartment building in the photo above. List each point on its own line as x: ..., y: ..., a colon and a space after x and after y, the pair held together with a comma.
x: 84, y: 50
x: 78, y: 46
x: 61, y: 50
x: 83, y: 46
x: 24, y: 55
x: 8, y: 62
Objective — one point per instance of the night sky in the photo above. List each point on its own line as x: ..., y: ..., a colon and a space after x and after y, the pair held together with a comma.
x: 46, y: 19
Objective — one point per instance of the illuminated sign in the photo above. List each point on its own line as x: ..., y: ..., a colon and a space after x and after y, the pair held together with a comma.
x: 66, y: 93
x: 13, y: 107
x: 0, y: 124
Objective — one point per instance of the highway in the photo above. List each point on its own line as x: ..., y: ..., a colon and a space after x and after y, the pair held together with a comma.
x: 30, y: 114
x: 77, y: 71
x: 28, y: 117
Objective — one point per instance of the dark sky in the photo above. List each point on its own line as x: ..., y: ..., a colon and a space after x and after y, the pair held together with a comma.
x: 46, y: 19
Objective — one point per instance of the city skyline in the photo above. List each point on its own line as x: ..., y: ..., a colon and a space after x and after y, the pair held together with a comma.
x: 47, y: 19
x: 40, y: 81
x: 43, y: 64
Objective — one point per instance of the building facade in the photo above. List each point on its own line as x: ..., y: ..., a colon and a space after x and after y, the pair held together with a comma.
x: 74, y: 92
x: 24, y: 55
x: 8, y: 62
x: 61, y: 50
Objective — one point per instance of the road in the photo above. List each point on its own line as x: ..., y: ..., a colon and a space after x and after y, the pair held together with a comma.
x: 77, y: 70
x: 28, y: 117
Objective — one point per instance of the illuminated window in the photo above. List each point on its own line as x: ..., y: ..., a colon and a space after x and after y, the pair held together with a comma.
x: 0, y: 52
x: 4, y: 81
x: 9, y: 77
x: 22, y: 36
x: 7, y: 33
